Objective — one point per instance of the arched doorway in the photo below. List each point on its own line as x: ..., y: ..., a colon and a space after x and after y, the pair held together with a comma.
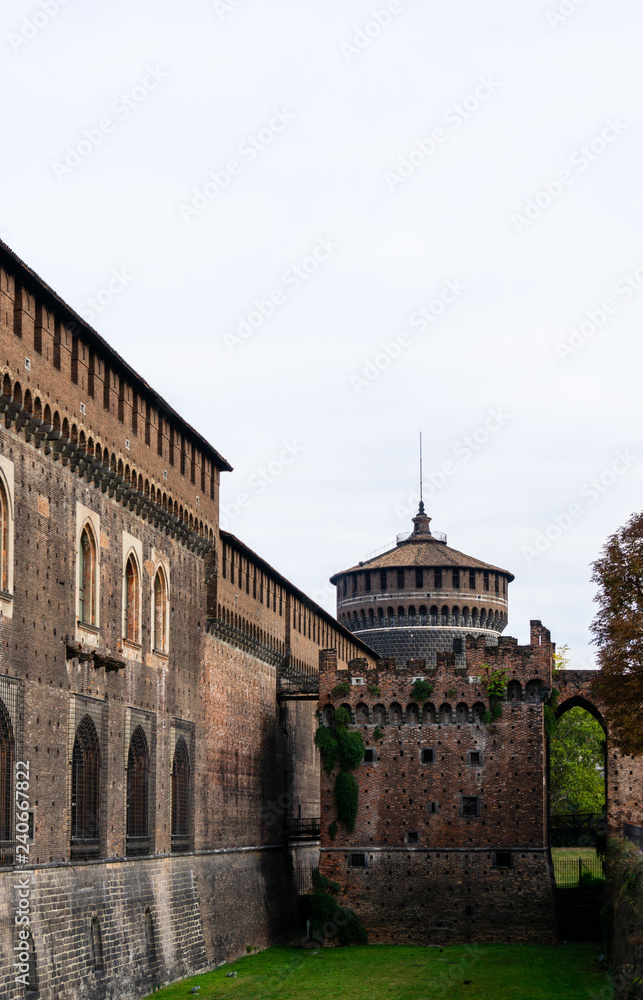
x: 577, y: 785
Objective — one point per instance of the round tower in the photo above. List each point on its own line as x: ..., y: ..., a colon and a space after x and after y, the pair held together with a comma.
x: 423, y: 597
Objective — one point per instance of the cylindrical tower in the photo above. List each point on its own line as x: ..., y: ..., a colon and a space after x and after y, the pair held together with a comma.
x: 422, y: 597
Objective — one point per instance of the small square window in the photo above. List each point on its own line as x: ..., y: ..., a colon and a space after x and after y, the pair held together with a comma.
x: 474, y: 758
x: 357, y: 861
x: 503, y: 859
x: 369, y: 756
x: 426, y: 755
x: 432, y: 808
x: 470, y: 806
x: 412, y: 837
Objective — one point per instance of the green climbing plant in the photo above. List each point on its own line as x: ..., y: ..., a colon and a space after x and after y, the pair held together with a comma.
x: 330, y: 920
x: 336, y: 744
x: 340, y: 690
x: 494, y: 681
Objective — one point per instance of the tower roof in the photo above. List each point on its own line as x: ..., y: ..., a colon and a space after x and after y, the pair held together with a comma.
x: 422, y: 548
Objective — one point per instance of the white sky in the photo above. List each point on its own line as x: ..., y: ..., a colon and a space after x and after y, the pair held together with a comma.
x: 547, y: 85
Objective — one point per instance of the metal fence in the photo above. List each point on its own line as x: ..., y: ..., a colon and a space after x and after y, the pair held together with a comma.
x: 580, y: 830
x: 303, y: 880
x: 579, y: 873
x: 634, y: 834
x: 304, y: 829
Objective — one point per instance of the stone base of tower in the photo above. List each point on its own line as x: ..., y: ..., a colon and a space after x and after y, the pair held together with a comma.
x: 429, y: 897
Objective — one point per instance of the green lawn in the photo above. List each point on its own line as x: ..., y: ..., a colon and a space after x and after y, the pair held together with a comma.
x: 381, y: 972
x: 572, y: 853
x: 567, y: 869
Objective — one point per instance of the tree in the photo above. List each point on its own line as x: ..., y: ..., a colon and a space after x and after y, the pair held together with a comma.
x: 618, y: 633
x: 576, y: 763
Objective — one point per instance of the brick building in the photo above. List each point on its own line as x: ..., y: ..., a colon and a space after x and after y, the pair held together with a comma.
x: 146, y: 664
x: 451, y: 841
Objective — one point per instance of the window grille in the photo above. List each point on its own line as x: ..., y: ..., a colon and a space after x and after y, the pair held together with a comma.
x: 369, y: 756
x: 358, y: 861
x: 138, y: 772
x: 474, y: 757
x: 85, y: 792
x: 182, y: 791
x: 470, y: 806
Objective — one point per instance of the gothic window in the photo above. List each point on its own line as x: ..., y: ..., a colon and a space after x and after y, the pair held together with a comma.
x: 160, y: 612
x: 181, y: 797
x: 132, y: 599
x: 138, y: 770
x: 87, y: 577
x: 4, y: 540
x: 6, y: 768
x: 85, y: 791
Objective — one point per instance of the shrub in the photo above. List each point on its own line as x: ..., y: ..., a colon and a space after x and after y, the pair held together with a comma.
x: 374, y: 690
x: 330, y: 920
x: 378, y: 734
x: 340, y: 689
x: 421, y: 691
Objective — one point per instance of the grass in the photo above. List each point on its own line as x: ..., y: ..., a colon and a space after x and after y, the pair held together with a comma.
x: 381, y: 972
x: 566, y: 874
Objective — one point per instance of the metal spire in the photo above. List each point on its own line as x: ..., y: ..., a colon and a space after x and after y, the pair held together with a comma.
x: 421, y: 509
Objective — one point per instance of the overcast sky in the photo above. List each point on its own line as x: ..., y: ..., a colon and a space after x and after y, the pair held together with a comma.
x: 328, y: 225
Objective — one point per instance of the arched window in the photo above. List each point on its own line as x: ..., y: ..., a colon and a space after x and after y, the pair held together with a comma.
x: 428, y: 713
x: 361, y: 714
x: 478, y: 711
x: 97, y: 946
x: 85, y: 792
x: 6, y: 771
x: 4, y: 540
x: 379, y: 715
x: 32, y: 975
x: 446, y: 714
x: 181, y: 797
x: 412, y: 715
x: 462, y: 713
x: 87, y: 577
x: 514, y: 691
x: 160, y: 612
x: 395, y: 714
x: 138, y: 770
x: 132, y: 599
x: 150, y: 936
